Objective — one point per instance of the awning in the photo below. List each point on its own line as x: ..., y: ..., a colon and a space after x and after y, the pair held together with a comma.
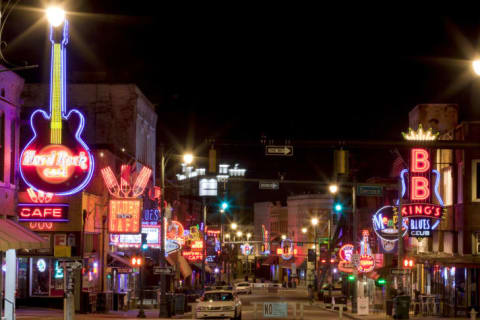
x: 119, y: 259
x: 176, y: 259
x: 270, y: 260
x: 15, y: 236
x: 199, y: 267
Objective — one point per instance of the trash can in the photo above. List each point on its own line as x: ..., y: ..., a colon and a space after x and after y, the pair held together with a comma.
x: 402, y: 307
x: 389, y: 307
x: 179, y: 303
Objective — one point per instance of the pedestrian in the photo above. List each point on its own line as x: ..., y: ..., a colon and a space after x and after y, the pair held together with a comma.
x: 310, y: 293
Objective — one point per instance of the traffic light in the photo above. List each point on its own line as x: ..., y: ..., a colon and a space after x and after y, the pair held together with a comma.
x: 381, y: 282
x: 338, y: 207
x: 351, y: 277
x: 137, y: 261
x: 408, y: 263
x: 144, y: 245
x: 224, y: 205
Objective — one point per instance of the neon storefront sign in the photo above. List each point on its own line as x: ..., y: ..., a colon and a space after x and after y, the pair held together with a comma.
x: 385, y: 223
x: 49, y: 212
x: 423, y: 215
x: 287, y: 249
x: 366, y: 263
x: 128, y: 187
x: 124, y: 216
x: 345, y: 253
x: 56, y: 159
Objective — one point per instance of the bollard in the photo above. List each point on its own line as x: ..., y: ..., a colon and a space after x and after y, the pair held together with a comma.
x: 473, y: 314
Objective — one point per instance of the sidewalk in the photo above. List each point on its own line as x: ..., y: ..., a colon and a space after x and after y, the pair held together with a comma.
x: 54, y: 314
x: 377, y: 316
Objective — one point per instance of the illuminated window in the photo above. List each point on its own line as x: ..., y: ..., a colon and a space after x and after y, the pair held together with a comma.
x: 12, y: 151
x: 447, y: 186
x: 476, y: 180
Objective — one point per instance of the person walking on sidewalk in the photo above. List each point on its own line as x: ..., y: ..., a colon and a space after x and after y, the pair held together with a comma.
x: 310, y: 293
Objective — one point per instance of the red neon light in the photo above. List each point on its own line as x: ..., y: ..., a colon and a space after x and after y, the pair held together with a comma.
x: 55, y: 163
x: 141, y: 181
x: 40, y: 226
x: 110, y: 181
x: 422, y: 209
x: 420, y: 161
x: 175, y: 231
x: 124, y: 190
x: 41, y: 213
x: 279, y: 251
x: 367, y: 263
x: 420, y: 188
x: 124, y: 216
x: 197, y: 244
x: 193, y: 255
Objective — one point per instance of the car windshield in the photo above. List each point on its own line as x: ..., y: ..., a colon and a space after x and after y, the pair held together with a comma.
x: 218, y: 296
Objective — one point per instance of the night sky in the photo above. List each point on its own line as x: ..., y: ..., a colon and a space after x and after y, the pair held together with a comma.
x: 293, y: 72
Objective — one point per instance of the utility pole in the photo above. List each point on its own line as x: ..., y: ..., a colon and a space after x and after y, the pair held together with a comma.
x: 354, y: 240
x: 204, y: 239
x: 163, y: 306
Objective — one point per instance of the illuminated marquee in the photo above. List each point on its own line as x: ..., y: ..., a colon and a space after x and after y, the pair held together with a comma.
x: 56, y: 159
x: 193, y: 255
x: 49, y: 212
x: 287, y: 249
x: 385, y: 223
x: 366, y: 263
x: 124, y: 216
x: 345, y: 252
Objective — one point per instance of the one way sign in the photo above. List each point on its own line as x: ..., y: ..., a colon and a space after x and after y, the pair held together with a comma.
x: 279, y: 150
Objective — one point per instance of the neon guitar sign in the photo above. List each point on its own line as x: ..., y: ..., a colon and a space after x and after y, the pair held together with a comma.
x: 56, y: 159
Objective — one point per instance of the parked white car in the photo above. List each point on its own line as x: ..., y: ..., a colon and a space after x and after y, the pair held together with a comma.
x: 243, y: 287
x: 219, y: 304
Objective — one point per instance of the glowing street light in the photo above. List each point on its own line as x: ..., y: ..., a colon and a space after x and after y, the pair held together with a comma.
x: 333, y: 188
x: 233, y: 226
x: 239, y: 233
x: 187, y: 158
x: 314, y: 221
x: 227, y: 236
x: 284, y: 237
x: 249, y: 235
x: 476, y: 66
x: 55, y: 16
x: 304, y: 230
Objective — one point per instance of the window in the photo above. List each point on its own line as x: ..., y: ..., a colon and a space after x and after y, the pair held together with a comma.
x: 447, y: 186
x: 12, y: 152
x: 476, y: 180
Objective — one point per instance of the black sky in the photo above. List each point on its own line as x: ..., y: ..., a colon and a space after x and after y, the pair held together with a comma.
x: 288, y: 71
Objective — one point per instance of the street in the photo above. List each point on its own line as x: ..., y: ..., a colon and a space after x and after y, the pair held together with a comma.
x: 259, y: 296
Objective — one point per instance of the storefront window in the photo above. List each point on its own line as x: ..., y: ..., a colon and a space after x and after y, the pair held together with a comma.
x: 46, y: 278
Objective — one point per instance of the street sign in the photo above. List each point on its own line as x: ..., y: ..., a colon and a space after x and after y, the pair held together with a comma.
x: 279, y: 150
x: 160, y: 270
x: 268, y: 185
x: 368, y: 190
x: 275, y: 310
x: 400, y: 271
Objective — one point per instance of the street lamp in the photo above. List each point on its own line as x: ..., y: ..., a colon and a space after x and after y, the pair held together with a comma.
x: 304, y: 230
x: 314, y: 222
x: 233, y: 226
x: 239, y: 233
x: 55, y: 16
x: 476, y: 66
x: 284, y: 237
x: 248, y: 236
x: 333, y: 188
x: 187, y: 158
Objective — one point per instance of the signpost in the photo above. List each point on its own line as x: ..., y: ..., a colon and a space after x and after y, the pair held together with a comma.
x: 279, y: 150
x: 367, y: 190
x: 267, y: 185
x: 275, y: 309
x: 160, y: 270
x: 400, y: 271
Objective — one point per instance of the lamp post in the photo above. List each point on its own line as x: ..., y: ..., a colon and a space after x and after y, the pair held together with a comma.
x: 163, y: 307
x: 333, y: 188
x: 314, y: 223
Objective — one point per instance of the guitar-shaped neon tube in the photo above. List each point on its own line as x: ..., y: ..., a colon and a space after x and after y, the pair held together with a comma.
x: 56, y: 159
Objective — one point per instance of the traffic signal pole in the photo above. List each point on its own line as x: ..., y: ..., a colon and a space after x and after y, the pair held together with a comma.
x: 163, y: 311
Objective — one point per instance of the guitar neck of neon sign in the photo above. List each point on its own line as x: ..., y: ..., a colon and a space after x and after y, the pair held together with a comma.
x: 56, y: 159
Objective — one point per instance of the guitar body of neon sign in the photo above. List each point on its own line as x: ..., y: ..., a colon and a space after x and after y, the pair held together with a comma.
x: 56, y: 159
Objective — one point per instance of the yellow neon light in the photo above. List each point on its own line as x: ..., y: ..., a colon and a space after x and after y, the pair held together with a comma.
x: 420, y: 134
x: 56, y: 116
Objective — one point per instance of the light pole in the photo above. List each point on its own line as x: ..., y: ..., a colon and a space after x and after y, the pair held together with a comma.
x: 163, y: 307
x: 248, y: 262
x: 314, y: 223
x: 333, y: 188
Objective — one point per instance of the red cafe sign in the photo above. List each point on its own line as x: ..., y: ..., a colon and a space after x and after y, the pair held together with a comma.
x: 124, y: 216
x: 46, y: 212
x: 366, y: 263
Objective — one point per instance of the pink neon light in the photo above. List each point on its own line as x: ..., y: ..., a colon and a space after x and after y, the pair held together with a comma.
x: 125, y: 179
x: 110, y: 181
x: 420, y: 188
x: 125, y: 190
x: 141, y: 181
x: 420, y: 161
